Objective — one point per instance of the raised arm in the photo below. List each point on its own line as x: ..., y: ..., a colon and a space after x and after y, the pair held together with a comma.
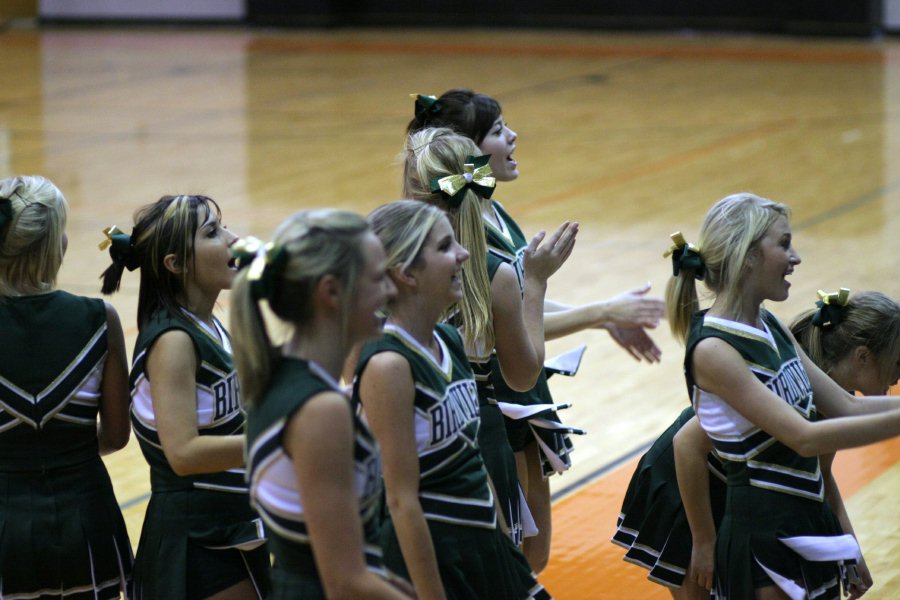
x: 719, y: 369
x: 631, y: 309
x: 630, y: 333
x: 319, y: 440
x: 691, y: 446
x: 114, y: 426
x: 387, y: 392
x: 171, y: 367
x: 519, y: 320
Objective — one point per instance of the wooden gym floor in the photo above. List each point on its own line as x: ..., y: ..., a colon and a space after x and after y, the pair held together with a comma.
x: 635, y: 136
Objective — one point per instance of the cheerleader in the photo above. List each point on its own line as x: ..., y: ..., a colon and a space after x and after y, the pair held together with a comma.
x: 540, y: 441
x: 757, y: 397
x: 200, y: 538
x: 419, y: 396
x: 63, y: 403
x: 314, y: 466
x: 501, y: 316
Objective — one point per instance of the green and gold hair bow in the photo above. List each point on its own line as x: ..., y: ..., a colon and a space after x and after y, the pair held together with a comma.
x: 121, y: 250
x: 425, y: 104
x: 5, y: 211
x: 830, y: 308
x: 685, y: 256
x: 476, y: 175
x: 262, y: 262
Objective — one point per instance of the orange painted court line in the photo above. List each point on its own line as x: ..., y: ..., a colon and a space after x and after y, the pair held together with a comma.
x: 585, y: 565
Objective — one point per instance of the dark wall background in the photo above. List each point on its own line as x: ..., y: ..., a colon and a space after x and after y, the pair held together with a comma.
x: 838, y: 17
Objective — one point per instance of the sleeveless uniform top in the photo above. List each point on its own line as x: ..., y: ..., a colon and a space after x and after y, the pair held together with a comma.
x: 751, y: 456
x: 61, y: 530
x: 453, y: 486
x: 218, y: 401
x: 274, y: 489
x: 203, y: 510
x: 51, y: 366
x: 497, y: 454
x: 507, y: 243
x: 776, y: 529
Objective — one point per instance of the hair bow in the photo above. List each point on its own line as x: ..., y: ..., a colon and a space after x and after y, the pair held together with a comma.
x: 426, y: 104
x: 6, y: 214
x: 262, y: 262
x: 830, y: 308
x: 476, y: 175
x: 121, y: 249
x: 685, y: 256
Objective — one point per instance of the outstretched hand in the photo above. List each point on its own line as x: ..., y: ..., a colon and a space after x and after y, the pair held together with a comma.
x: 636, y: 342
x: 543, y: 257
x: 636, y: 309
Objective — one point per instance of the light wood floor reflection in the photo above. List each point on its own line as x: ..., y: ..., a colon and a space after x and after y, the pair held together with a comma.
x: 634, y: 136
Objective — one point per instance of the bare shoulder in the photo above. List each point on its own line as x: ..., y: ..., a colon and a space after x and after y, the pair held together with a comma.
x: 388, y: 364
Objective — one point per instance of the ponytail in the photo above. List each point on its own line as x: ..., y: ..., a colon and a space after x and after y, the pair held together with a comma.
x: 254, y: 356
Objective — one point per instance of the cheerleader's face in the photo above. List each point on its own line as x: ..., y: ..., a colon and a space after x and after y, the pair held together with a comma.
x: 373, y: 292
x: 210, y: 269
x: 774, y: 260
x: 438, y: 267
x: 500, y: 143
x: 871, y: 377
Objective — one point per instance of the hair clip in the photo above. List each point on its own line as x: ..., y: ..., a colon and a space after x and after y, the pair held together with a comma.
x: 426, y: 104
x: 685, y: 256
x: 262, y: 264
x: 121, y: 250
x: 476, y: 175
x: 244, y: 250
x: 830, y: 308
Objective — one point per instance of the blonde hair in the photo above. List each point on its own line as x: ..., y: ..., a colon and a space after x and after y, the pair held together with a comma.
x: 439, y: 152
x: 403, y: 228
x: 729, y: 237
x: 870, y: 319
x: 307, y: 246
x: 31, y: 242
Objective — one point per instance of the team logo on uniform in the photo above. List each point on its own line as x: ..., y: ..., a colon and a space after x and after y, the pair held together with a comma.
x: 226, y: 396
x: 792, y: 384
x: 458, y: 411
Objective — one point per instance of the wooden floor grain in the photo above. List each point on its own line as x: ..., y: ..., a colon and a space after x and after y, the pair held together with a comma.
x: 634, y: 136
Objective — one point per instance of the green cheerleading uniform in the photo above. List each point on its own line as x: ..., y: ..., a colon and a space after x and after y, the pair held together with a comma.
x: 275, y: 491
x: 777, y: 528
x: 542, y: 425
x: 200, y: 525
x: 499, y: 458
x: 652, y: 525
x: 475, y: 559
x: 61, y: 530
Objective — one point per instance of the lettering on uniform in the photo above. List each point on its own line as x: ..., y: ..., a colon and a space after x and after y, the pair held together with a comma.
x: 792, y: 383
x: 458, y: 409
x: 226, y: 394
